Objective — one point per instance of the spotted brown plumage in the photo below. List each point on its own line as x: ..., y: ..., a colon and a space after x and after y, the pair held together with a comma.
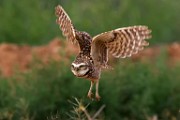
x: 93, y: 55
x: 121, y: 43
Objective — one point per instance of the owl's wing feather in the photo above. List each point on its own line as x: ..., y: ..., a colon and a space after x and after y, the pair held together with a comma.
x: 65, y: 24
x: 121, y: 43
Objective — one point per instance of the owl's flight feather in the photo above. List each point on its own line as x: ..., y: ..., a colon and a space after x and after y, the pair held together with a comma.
x: 65, y: 23
x: 121, y: 43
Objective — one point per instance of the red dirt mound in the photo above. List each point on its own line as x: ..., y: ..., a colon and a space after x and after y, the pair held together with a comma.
x: 174, y: 52
x: 20, y: 57
x: 13, y: 56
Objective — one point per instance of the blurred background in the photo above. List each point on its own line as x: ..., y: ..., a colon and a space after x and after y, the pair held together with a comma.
x: 36, y: 82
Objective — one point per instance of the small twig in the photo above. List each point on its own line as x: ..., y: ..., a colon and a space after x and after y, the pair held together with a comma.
x: 87, y: 114
x: 79, y: 107
x: 98, y: 112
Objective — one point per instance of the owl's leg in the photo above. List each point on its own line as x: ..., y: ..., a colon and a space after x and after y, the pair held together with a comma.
x: 97, y: 91
x: 90, y: 90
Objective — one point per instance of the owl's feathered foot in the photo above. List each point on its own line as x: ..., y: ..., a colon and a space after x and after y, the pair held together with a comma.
x: 90, y: 94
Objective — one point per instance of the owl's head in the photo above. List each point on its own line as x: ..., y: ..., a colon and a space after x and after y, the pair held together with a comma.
x: 80, y: 69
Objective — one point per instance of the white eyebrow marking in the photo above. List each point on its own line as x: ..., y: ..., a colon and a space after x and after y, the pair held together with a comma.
x: 77, y: 65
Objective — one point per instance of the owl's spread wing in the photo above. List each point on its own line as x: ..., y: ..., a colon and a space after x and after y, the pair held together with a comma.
x: 65, y: 24
x: 121, y: 43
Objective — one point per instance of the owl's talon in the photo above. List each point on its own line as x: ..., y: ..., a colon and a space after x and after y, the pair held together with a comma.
x: 98, y: 97
x: 90, y: 95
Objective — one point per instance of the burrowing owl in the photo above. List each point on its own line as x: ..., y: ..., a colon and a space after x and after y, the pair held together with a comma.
x: 93, y: 55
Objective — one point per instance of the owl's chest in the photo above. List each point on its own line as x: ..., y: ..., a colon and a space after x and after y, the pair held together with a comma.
x: 95, y: 74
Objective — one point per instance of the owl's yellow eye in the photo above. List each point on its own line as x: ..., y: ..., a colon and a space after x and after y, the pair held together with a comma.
x: 83, y: 67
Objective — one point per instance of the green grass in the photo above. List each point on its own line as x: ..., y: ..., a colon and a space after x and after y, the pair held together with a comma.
x: 132, y: 91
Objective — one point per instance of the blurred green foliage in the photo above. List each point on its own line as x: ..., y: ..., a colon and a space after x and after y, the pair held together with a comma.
x: 133, y: 91
x: 33, y: 21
